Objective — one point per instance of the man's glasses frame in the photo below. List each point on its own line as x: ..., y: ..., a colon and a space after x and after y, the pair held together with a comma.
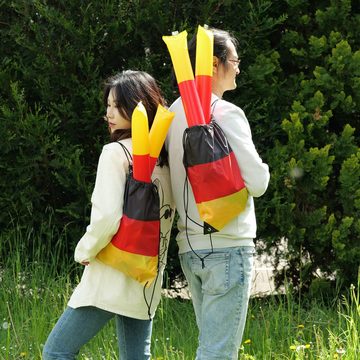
x: 235, y: 61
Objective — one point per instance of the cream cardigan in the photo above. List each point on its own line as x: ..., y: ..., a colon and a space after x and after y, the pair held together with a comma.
x: 101, y: 285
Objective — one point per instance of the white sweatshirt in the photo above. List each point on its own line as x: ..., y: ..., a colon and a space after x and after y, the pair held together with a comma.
x: 101, y: 285
x: 242, y: 230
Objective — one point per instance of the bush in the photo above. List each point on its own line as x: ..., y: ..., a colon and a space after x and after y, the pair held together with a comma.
x: 299, y: 86
x: 313, y: 200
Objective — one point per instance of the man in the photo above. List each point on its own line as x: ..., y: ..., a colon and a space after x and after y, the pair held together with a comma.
x: 218, y: 268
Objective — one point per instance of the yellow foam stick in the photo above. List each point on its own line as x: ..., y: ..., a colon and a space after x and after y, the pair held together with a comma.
x: 158, y: 131
x: 140, y: 130
x: 204, y: 69
x: 159, y: 128
x: 204, y: 52
x: 141, y: 145
x: 178, y: 49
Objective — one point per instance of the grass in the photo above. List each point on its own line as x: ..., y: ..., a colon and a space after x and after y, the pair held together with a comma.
x: 34, y: 294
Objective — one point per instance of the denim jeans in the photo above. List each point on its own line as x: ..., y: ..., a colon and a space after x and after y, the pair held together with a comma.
x: 220, y: 294
x: 76, y: 327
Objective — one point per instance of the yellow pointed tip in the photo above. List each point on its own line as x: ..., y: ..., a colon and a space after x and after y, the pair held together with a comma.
x: 140, y: 130
x: 204, y: 52
x: 139, y: 111
x: 175, y: 35
x: 177, y: 46
x: 140, y: 106
x: 159, y: 128
x: 164, y: 112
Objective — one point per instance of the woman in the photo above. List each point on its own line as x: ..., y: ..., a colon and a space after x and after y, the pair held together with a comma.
x: 105, y: 293
x: 218, y: 268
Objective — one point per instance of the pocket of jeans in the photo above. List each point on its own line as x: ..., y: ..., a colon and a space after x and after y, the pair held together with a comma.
x: 215, y: 274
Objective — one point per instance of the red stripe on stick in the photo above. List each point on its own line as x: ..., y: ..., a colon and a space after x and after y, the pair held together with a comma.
x: 203, y: 85
x: 152, y: 164
x: 191, y: 103
x: 141, y: 167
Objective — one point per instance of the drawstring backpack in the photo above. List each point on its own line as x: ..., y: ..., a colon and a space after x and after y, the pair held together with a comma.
x: 134, y: 249
x: 214, y: 175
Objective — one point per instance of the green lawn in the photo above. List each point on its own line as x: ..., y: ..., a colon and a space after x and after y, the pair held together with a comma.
x: 278, y: 327
x: 34, y: 294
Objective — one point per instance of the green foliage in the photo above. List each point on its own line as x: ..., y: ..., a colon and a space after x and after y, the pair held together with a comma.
x: 299, y: 86
x: 315, y: 168
x: 35, y: 162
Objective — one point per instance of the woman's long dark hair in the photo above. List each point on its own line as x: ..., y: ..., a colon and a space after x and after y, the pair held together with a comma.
x: 128, y: 88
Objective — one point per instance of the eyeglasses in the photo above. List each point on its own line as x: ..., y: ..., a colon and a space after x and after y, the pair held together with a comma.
x: 235, y: 61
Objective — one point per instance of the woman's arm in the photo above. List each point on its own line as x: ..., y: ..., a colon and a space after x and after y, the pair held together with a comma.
x: 107, y: 203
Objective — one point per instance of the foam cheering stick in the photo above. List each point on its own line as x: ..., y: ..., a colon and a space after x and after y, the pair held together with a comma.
x: 141, y: 146
x: 158, y: 131
x: 204, y: 68
x: 177, y: 46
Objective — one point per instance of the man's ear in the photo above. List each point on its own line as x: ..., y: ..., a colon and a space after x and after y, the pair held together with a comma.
x: 215, y: 64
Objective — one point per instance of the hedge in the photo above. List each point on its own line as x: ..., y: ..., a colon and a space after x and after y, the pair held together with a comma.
x: 299, y: 86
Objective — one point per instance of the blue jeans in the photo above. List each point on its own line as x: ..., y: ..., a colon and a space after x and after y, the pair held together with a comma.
x: 76, y: 327
x: 220, y: 294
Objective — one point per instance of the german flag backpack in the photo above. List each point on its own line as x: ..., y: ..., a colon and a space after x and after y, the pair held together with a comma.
x: 134, y: 249
x: 212, y: 169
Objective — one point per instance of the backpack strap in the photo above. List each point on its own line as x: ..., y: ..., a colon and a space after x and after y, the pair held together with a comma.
x: 213, y: 105
x: 127, y: 153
